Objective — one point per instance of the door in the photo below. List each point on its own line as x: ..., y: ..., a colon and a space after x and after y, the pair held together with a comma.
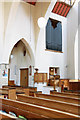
x: 8, y: 75
x: 24, y: 77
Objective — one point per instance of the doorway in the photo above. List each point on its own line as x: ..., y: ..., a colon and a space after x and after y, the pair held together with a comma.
x: 24, y: 77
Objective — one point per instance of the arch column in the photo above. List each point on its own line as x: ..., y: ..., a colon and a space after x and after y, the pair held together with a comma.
x: 79, y: 52
x: 76, y: 55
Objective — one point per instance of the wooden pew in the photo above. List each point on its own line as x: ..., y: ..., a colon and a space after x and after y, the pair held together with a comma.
x: 5, y: 116
x: 33, y: 93
x: 19, y: 89
x: 10, y: 92
x: 74, y: 95
x: 16, y: 86
x: 33, y: 88
x: 53, y: 104
x: 33, y: 111
x: 24, y: 90
x: 59, y: 98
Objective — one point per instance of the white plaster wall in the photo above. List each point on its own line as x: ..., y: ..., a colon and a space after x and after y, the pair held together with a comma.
x: 1, y: 29
x: 79, y: 52
x: 76, y: 56
x: 19, y: 61
x: 72, y: 26
x: 3, y: 80
x: 20, y: 28
x: 79, y: 40
x: 14, y: 26
x: 46, y: 59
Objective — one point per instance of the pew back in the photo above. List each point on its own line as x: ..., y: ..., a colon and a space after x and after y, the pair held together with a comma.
x: 33, y: 111
x: 59, y: 98
x: 74, y: 95
x: 63, y: 106
x: 10, y: 92
x: 19, y: 89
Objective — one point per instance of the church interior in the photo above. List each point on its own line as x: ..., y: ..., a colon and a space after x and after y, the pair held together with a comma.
x: 39, y: 59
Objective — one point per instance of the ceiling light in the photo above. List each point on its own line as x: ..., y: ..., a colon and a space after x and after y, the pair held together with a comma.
x: 42, y: 22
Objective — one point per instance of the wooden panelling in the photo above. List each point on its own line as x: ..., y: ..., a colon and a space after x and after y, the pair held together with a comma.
x: 40, y: 77
x: 75, y: 86
x: 11, y: 82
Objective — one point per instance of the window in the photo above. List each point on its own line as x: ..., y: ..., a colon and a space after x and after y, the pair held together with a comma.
x: 54, y: 35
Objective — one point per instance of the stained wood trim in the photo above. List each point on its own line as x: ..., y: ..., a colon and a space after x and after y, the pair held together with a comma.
x: 24, y: 68
x: 53, y: 51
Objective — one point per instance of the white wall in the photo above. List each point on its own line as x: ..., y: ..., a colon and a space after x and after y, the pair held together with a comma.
x: 19, y: 61
x: 79, y: 52
x: 72, y: 26
x: 46, y: 59
x: 79, y: 40
x: 3, y: 80
x: 18, y: 26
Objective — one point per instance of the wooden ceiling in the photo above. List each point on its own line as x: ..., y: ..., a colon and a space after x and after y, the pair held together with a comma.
x: 61, y: 8
x: 32, y: 2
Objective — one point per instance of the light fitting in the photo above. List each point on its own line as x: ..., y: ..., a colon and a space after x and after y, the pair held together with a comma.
x: 42, y: 22
x: 12, y: 56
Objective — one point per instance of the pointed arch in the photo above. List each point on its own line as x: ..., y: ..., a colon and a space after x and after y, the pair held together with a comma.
x: 28, y: 48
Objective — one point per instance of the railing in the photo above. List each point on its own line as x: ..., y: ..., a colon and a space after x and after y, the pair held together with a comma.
x: 70, y: 2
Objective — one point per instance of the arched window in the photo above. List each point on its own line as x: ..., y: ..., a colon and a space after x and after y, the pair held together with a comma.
x: 54, y: 35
